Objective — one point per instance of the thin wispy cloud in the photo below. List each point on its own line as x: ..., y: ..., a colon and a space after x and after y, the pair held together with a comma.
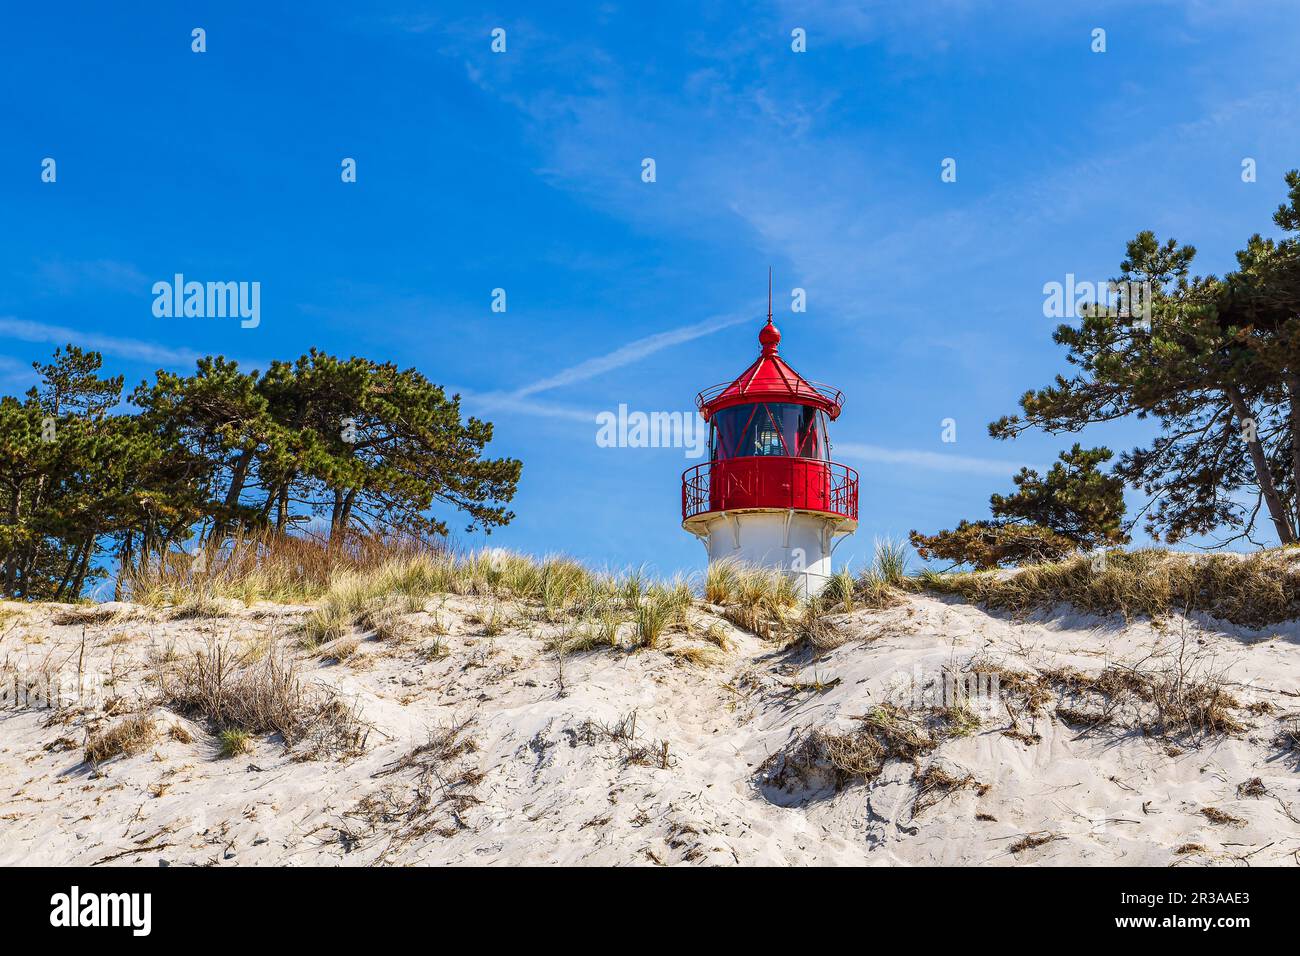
x: 507, y: 402
x: 927, y: 460
x: 520, y: 401
x: 134, y: 350
x: 65, y: 276
x: 633, y: 352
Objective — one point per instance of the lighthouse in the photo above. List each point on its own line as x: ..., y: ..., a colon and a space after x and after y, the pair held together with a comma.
x: 770, y: 496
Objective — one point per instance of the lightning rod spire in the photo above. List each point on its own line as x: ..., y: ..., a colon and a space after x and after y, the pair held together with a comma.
x: 769, y: 295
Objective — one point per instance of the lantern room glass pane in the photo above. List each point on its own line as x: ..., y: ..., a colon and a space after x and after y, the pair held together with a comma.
x: 781, y: 429
x: 801, y: 429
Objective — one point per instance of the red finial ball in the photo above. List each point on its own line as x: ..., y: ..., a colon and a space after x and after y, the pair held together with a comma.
x: 769, y: 338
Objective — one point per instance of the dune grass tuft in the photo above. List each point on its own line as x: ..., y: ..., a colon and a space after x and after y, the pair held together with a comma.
x: 812, y: 628
x: 716, y: 634
x: 721, y: 581
x: 763, y: 602
x: 284, y: 569
x: 840, y: 592
x: 652, y: 617
x: 233, y: 742
x: 877, y: 587
x: 697, y: 654
x: 890, y: 561
x: 1254, y: 590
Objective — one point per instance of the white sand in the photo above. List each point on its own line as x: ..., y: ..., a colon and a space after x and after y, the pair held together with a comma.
x: 548, y: 794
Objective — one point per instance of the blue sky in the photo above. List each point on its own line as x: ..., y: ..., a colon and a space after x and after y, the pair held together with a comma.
x: 522, y: 171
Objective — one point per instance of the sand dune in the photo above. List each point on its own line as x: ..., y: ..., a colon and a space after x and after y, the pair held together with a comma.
x: 488, y: 749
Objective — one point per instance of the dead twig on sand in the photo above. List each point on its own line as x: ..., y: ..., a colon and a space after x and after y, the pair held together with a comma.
x: 1032, y: 840
x: 131, y: 852
x: 432, y: 803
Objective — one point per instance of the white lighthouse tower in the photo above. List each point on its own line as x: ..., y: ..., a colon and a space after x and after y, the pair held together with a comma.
x: 769, y: 495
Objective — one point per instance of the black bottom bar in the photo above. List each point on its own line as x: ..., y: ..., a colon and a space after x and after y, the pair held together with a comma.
x: 210, y: 906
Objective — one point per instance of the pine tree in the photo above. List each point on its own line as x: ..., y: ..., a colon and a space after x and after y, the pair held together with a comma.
x: 376, y: 447
x: 1218, y: 368
x: 76, y: 480
x: 86, y: 483
x: 1074, y: 507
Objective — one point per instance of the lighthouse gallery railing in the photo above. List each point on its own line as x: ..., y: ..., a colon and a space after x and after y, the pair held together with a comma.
x: 797, y: 390
x: 807, y: 484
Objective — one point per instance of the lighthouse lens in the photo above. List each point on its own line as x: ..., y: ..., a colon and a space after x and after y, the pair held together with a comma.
x: 781, y: 429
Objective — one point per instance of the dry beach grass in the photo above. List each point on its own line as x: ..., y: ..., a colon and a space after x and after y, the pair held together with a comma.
x: 1255, y: 589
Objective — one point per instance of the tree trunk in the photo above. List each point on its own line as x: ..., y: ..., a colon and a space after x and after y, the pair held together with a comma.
x: 85, y: 566
x: 123, y: 566
x: 238, y: 476
x: 1276, y: 510
x: 282, y: 509
x: 146, y: 547
x: 272, y: 493
x: 347, y: 507
x: 11, y: 559
x: 342, y: 514
x: 336, y: 514
x: 1293, y: 389
x: 73, y: 562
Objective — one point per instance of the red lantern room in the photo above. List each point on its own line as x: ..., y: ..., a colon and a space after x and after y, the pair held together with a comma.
x: 770, y: 495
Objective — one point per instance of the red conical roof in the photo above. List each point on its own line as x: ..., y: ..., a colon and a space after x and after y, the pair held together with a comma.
x: 770, y: 379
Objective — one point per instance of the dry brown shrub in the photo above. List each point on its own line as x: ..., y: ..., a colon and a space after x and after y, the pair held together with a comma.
x: 92, y: 615
x: 124, y: 738
x: 936, y: 784
x: 886, y: 733
x: 1183, y: 696
x: 1221, y: 817
x: 1254, y: 787
x: 180, y: 734
x: 697, y: 655
x: 1288, y: 734
x: 230, y: 692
